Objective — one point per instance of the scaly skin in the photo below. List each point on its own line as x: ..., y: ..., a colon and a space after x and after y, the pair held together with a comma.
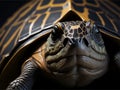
x: 26, y: 79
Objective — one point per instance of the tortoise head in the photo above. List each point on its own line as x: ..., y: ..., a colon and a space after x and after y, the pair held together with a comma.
x: 75, y: 53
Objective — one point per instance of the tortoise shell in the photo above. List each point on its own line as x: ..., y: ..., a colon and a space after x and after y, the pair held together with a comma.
x: 33, y: 21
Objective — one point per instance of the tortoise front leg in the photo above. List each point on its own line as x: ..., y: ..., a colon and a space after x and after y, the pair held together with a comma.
x: 26, y: 79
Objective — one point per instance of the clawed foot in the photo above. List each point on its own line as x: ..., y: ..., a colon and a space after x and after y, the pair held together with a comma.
x: 16, y: 85
x: 26, y: 79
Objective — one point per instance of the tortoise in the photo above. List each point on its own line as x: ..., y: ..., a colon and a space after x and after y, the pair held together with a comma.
x: 69, y: 41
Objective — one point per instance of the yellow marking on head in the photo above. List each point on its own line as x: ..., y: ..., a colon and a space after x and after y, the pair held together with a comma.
x: 75, y: 27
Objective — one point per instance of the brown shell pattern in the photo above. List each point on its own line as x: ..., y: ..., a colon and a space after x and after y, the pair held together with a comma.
x: 38, y: 14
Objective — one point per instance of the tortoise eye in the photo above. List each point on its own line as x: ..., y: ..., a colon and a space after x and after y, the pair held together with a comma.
x: 97, y: 36
x: 56, y: 33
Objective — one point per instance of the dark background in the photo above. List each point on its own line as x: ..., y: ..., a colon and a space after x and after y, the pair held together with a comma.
x: 8, y: 7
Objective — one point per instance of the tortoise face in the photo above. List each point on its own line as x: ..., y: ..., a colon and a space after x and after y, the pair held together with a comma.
x: 75, y: 53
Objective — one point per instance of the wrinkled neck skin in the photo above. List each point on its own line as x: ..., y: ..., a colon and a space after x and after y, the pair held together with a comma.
x: 75, y: 64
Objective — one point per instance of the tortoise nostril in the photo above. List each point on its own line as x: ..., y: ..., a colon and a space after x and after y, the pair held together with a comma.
x: 65, y: 41
x: 86, y: 42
